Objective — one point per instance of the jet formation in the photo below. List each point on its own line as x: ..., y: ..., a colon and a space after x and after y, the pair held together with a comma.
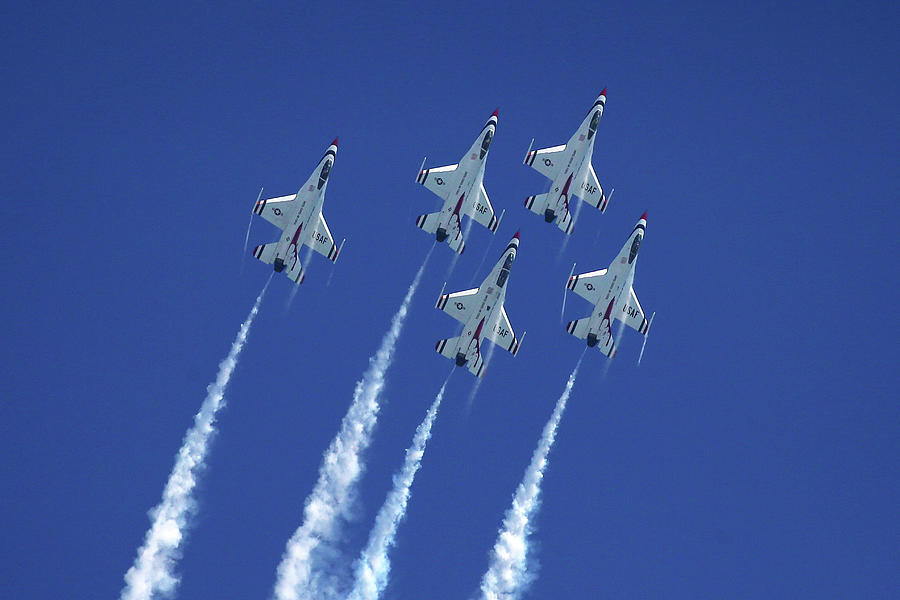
x: 461, y: 188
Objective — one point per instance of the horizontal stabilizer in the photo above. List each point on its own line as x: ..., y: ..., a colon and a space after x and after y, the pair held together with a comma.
x: 457, y: 242
x: 265, y: 252
x: 609, y: 348
x: 447, y: 347
x: 476, y: 366
x: 566, y: 223
x: 536, y: 204
x: 429, y: 222
x: 295, y: 273
x: 579, y: 327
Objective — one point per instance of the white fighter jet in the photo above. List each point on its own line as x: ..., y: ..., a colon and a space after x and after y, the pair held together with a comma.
x: 299, y: 216
x: 483, y: 316
x: 613, y: 297
x: 461, y: 187
x: 569, y: 167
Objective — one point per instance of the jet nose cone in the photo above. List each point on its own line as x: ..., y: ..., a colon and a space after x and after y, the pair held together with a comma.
x: 515, y: 237
x: 334, y: 143
x: 644, y: 216
x: 603, y: 93
x: 496, y: 113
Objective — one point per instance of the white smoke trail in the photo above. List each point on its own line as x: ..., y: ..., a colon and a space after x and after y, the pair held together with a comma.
x: 303, y: 569
x: 152, y: 573
x: 507, y: 576
x: 374, y: 565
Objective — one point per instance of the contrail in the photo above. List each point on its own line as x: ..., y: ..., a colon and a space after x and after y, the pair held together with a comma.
x: 374, y: 566
x: 152, y: 574
x: 303, y: 569
x: 507, y: 576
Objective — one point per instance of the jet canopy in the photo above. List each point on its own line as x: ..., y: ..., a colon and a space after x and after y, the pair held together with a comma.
x: 323, y: 176
x: 486, y: 143
x: 592, y: 129
x: 504, y: 270
x: 635, y: 246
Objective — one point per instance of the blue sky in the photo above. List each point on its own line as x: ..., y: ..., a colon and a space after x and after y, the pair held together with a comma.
x: 752, y: 454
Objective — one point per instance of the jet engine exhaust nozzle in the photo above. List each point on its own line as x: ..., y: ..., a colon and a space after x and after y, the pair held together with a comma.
x: 460, y: 359
x: 441, y: 234
x: 591, y: 340
x: 279, y: 265
x: 549, y: 215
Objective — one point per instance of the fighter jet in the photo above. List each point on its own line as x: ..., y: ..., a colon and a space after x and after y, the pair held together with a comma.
x: 569, y: 167
x: 461, y: 187
x: 299, y: 216
x: 612, y: 295
x: 483, y: 316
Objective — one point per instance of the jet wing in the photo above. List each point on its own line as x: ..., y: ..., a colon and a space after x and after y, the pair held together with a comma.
x: 547, y: 161
x: 502, y: 334
x: 276, y: 211
x: 322, y: 241
x: 480, y: 209
x: 441, y: 180
x: 459, y: 305
x: 633, y: 315
x: 591, y: 192
x: 589, y: 286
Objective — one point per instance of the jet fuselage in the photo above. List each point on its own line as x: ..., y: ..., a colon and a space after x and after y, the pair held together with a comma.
x: 469, y: 180
x: 615, y: 298
x: 485, y: 318
x: 572, y: 179
x: 302, y: 225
